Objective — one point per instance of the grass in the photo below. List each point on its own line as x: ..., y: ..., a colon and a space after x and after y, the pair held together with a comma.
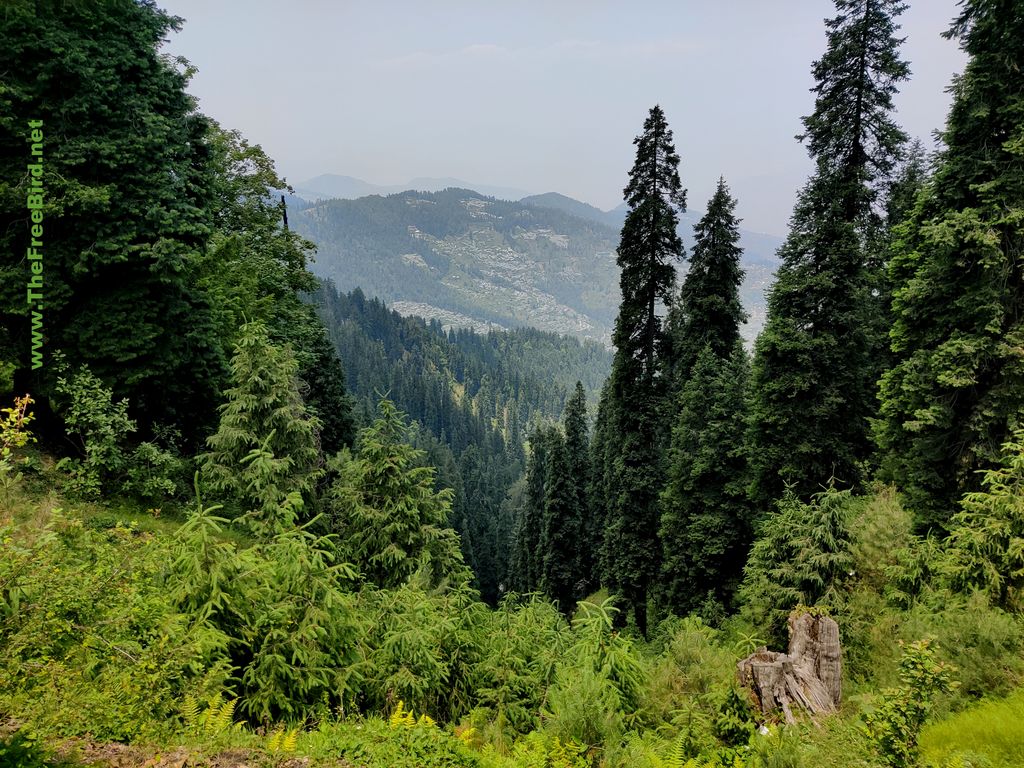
x: 993, y: 730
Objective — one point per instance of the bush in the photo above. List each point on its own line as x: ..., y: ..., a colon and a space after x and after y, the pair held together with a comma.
x: 522, y: 646
x: 985, y: 643
x: 374, y: 743
x: 14, y: 434
x: 89, y: 640
x: 20, y: 751
x: 689, y: 679
x: 101, y: 429
x: 598, y: 685
x: 895, y: 726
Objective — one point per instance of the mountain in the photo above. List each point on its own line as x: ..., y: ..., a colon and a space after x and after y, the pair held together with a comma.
x: 332, y: 186
x: 428, y: 184
x: 468, y: 260
x: 575, y: 208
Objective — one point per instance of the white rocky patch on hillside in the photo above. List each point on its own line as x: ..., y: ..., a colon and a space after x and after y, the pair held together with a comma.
x: 448, y: 318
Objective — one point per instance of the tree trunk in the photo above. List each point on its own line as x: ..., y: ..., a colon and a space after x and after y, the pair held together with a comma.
x: 807, y: 678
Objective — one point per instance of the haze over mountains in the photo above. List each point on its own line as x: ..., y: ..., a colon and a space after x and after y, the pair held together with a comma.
x: 470, y: 259
x: 331, y: 186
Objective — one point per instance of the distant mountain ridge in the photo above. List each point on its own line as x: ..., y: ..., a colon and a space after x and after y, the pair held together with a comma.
x: 330, y: 186
x: 470, y: 260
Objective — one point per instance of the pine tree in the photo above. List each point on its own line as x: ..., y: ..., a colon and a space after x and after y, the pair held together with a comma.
x: 708, y: 311
x: 986, y: 543
x: 648, y: 247
x: 327, y: 397
x: 601, y: 458
x: 802, y: 556
x: 705, y: 527
x: 577, y: 447
x: 562, y: 525
x: 265, y: 454
x: 957, y: 390
x: 390, y: 520
x: 813, y: 379
x: 530, y: 516
x: 907, y: 181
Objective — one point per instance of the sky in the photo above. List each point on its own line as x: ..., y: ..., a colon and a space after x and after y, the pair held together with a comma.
x: 539, y: 96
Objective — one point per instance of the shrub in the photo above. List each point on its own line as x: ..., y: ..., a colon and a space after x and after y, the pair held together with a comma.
x: 375, y: 743
x: 14, y: 434
x: 89, y: 640
x: 895, y: 726
x: 100, y: 429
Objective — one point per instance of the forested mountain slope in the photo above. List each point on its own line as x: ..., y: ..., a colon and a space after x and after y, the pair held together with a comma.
x: 472, y: 396
x: 473, y: 261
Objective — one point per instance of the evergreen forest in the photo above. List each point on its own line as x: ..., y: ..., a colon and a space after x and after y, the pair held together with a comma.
x: 252, y: 517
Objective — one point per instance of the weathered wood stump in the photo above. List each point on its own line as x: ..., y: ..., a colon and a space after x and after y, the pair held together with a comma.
x: 808, y: 677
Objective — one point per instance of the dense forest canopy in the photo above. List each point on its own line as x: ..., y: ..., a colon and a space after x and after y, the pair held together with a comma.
x: 269, y: 519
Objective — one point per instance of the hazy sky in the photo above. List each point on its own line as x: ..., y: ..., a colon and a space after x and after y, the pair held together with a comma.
x: 542, y: 96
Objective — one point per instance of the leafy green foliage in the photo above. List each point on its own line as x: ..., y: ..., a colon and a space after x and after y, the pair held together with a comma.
x: 22, y: 751
x: 522, y: 648
x: 895, y: 725
x: 14, y: 434
x: 278, y: 612
x: 598, y: 685
x: 421, y: 649
x: 101, y: 428
x: 89, y: 641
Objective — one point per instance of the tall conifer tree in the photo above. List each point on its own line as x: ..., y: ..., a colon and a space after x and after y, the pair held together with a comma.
x: 957, y: 391
x: 813, y: 379
x: 648, y: 250
x: 527, y: 560
x: 577, y: 446
x: 708, y: 311
x: 560, y: 535
x: 704, y: 518
x: 127, y: 196
x: 705, y: 521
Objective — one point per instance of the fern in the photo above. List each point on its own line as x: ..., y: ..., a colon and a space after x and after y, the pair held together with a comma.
x: 401, y: 717
x: 274, y: 745
x: 223, y: 716
x: 289, y: 741
x: 283, y: 742
x: 677, y: 755
x: 190, y: 712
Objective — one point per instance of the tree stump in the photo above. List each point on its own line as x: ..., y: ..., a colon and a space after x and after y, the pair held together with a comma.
x: 807, y: 678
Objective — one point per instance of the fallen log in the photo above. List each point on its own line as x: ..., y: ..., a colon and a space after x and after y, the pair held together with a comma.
x: 807, y: 678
